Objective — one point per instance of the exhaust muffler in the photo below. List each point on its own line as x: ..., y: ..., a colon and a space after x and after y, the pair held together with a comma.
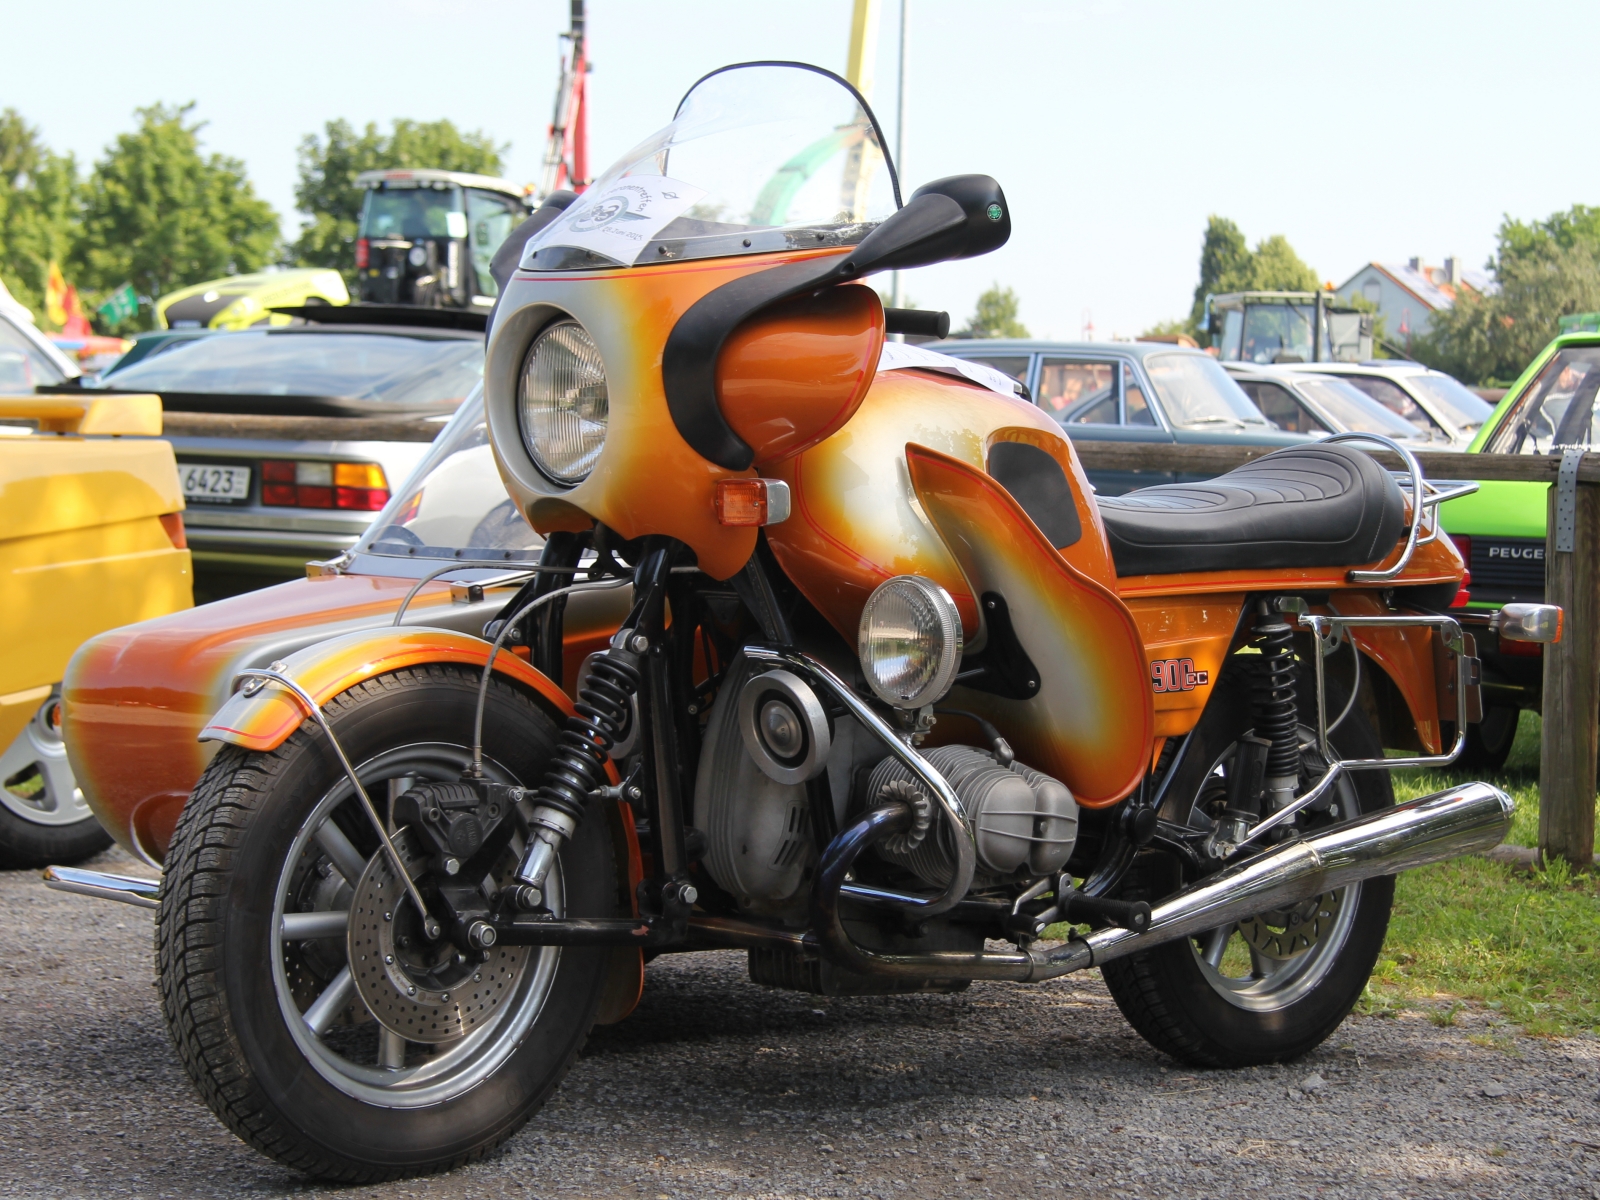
x: 1434, y: 828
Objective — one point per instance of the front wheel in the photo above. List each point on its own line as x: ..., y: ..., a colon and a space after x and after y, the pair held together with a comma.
x: 1275, y: 986
x: 426, y: 1063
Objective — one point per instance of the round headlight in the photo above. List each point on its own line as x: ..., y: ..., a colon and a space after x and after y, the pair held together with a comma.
x: 561, y: 402
x: 910, y: 641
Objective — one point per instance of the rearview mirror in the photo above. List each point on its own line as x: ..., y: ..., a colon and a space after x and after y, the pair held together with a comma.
x: 960, y: 216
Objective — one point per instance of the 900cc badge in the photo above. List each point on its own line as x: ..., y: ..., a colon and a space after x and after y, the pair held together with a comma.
x: 1177, y: 675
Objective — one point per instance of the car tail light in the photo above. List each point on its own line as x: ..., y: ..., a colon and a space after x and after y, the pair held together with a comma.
x: 362, y: 487
x: 1464, y: 546
x: 173, y: 524
x: 362, y: 254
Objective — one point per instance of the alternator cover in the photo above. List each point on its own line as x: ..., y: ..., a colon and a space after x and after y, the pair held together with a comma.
x: 424, y: 991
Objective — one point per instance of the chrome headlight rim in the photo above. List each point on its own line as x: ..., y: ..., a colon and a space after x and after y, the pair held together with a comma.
x: 939, y: 626
x: 563, y: 464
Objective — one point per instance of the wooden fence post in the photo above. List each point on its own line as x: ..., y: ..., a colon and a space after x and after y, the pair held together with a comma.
x: 1567, y: 759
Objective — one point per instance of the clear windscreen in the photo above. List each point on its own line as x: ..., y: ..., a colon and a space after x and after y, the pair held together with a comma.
x: 454, y: 505
x: 760, y: 157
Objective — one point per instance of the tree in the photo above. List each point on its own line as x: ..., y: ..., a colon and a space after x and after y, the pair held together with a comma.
x: 327, y: 193
x: 995, y: 316
x: 38, y: 209
x: 1228, y: 265
x: 160, y: 215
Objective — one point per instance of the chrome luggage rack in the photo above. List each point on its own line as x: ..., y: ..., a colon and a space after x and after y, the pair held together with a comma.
x: 1425, y: 496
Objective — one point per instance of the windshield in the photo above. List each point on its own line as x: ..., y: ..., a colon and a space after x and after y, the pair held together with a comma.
x: 409, y: 213
x: 1197, y: 393
x: 759, y: 157
x: 23, y: 364
x: 1464, y: 409
x: 394, y: 370
x: 454, y: 505
x: 1356, y: 412
x: 1557, y: 410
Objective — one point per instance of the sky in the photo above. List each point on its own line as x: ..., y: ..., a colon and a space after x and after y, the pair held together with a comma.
x: 1360, y: 131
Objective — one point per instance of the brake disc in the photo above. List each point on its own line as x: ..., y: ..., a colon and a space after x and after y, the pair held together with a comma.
x: 424, y: 991
x: 1284, y: 933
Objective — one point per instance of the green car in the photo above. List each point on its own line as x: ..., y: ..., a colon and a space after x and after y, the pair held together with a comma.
x: 1501, y: 529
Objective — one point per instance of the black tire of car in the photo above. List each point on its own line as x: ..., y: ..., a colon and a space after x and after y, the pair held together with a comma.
x: 25, y: 845
x: 1489, y: 741
x: 213, y: 944
x: 1163, y: 992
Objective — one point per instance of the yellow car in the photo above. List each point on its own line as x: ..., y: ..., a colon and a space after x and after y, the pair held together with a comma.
x: 240, y: 301
x: 91, y: 537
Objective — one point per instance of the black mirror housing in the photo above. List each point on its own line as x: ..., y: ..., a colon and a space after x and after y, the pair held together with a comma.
x: 988, y: 217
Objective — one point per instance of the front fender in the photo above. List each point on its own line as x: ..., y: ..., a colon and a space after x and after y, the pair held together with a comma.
x: 325, y: 669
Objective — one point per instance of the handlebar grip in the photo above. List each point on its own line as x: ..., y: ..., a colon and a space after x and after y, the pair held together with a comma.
x: 919, y: 322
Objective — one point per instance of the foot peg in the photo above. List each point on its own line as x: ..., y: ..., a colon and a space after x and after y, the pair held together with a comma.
x: 1132, y: 915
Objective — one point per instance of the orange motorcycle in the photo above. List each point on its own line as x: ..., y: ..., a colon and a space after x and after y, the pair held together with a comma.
x: 899, y: 703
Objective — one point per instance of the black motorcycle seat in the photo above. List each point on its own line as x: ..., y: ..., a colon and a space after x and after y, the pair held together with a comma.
x: 1308, y: 506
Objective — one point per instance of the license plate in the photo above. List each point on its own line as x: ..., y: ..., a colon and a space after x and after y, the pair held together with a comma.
x: 208, y: 483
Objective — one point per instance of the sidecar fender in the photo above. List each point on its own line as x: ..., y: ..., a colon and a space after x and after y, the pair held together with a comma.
x: 265, y: 720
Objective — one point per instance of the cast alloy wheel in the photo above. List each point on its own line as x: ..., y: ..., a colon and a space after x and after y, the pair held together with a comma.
x: 44, y: 817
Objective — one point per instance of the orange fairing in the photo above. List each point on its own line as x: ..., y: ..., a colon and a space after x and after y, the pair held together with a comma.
x: 647, y: 479
x: 855, y: 520
x: 1091, y: 723
x: 795, y: 373
x: 324, y: 670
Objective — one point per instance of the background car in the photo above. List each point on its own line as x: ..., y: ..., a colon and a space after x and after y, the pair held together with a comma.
x: 1305, y: 402
x: 289, y: 439
x: 1444, y: 411
x: 243, y: 301
x: 1129, y: 392
x: 1500, y: 531
x: 138, y: 759
x: 91, y: 537
x: 28, y: 359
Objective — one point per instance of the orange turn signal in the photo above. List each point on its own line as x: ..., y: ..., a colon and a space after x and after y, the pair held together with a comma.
x: 752, y: 501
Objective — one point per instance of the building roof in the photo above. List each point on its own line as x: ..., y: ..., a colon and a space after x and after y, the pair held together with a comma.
x: 1430, y: 285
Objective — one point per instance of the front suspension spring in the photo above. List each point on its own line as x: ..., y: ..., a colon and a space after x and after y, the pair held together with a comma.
x: 1273, y: 700
x: 603, y: 710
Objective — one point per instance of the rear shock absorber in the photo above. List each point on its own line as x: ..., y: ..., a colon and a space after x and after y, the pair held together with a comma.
x: 578, y: 767
x: 1274, y: 706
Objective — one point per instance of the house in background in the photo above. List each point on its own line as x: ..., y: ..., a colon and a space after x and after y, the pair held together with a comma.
x: 1408, y: 294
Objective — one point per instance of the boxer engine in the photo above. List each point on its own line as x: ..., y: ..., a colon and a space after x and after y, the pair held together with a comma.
x: 769, y: 739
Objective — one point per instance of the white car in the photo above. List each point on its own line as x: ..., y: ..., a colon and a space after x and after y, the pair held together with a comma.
x: 1303, y: 401
x: 1444, y: 411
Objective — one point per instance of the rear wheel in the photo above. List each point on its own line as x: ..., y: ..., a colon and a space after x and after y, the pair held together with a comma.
x: 1272, y: 987
x: 421, y: 1065
x: 1489, y: 741
x: 44, y: 818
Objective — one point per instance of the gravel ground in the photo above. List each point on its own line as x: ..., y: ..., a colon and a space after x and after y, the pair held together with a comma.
x: 717, y: 1087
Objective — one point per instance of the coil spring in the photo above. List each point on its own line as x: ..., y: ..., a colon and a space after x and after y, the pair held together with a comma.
x: 578, y: 767
x: 1273, y: 701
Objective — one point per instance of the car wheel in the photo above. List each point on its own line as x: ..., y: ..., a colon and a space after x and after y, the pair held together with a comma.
x: 44, y: 818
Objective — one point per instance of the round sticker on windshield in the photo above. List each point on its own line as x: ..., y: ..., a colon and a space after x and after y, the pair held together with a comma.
x: 995, y: 212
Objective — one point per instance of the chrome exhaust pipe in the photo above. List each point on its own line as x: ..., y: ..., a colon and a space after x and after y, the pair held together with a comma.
x: 128, y: 889
x: 1444, y: 825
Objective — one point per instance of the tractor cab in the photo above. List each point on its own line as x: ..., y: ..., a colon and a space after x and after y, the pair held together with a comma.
x: 426, y: 237
x: 1287, y: 327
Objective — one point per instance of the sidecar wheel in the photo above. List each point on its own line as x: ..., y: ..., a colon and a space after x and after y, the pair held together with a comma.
x: 1275, y: 987
x: 258, y: 994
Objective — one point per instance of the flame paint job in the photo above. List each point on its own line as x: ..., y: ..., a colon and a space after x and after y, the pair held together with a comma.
x: 1092, y: 721
x: 135, y: 699
x: 647, y: 479
x: 856, y: 520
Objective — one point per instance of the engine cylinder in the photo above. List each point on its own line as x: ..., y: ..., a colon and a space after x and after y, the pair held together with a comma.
x: 1023, y: 820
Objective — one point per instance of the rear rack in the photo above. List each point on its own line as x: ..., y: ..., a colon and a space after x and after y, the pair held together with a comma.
x: 1424, y: 496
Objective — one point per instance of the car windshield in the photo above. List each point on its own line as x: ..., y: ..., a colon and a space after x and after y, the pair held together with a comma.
x: 24, y: 365
x: 759, y: 157
x: 1464, y: 409
x: 454, y: 505
x: 1198, y: 394
x: 409, y: 212
x: 1355, y: 411
x: 1557, y: 410
x: 396, y: 371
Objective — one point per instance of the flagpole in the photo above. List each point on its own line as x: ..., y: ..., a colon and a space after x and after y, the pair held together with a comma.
x: 900, y: 138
